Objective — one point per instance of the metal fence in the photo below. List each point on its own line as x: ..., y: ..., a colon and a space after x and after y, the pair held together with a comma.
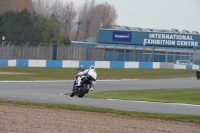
x: 45, y: 52
x: 11, y: 50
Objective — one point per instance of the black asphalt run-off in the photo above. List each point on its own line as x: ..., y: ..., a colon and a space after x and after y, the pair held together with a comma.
x: 51, y: 92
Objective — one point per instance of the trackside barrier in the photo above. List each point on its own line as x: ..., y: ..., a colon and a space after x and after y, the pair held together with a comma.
x: 97, y: 64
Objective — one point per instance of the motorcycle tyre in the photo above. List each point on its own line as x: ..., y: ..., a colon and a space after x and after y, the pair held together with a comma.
x: 83, y: 91
x: 72, y: 92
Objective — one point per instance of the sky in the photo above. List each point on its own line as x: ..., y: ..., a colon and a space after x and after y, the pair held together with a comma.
x: 156, y: 14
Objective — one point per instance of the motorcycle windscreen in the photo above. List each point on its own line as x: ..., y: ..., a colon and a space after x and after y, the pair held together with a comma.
x: 92, y: 73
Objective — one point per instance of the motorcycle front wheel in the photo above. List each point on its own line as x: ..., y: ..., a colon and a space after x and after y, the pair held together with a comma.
x: 72, y: 91
x: 71, y: 94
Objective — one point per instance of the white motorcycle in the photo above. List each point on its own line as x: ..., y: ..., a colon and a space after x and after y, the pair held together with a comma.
x: 86, y: 81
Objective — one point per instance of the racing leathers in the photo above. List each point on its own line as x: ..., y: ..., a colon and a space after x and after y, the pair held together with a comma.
x: 91, y: 72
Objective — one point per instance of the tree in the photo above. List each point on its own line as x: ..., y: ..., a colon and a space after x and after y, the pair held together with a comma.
x: 85, y: 17
x: 21, y: 26
x: 55, y: 18
x: 15, y: 5
x: 108, y: 14
x: 48, y: 20
x: 1, y: 26
x: 67, y: 17
x: 50, y: 31
x: 39, y: 7
x: 80, y: 19
x: 91, y: 16
x: 47, y: 8
x: 56, y: 9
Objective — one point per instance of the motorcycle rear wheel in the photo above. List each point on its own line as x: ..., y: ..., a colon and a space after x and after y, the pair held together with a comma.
x: 83, y: 91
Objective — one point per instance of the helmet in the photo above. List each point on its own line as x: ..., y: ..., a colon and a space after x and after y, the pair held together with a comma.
x: 81, y: 66
x: 91, y: 67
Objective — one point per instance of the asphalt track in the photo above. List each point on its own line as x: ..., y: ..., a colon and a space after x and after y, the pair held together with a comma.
x: 51, y: 92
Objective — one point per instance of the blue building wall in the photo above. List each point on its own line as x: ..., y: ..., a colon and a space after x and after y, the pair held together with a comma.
x: 119, y: 55
x: 137, y: 38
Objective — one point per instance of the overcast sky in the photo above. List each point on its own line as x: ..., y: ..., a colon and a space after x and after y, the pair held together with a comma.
x: 156, y: 14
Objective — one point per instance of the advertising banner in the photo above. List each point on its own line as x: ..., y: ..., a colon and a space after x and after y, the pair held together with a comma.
x: 171, y: 40
x: 122, y: 36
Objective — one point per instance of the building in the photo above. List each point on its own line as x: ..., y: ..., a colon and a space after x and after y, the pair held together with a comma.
x: 123, y: 43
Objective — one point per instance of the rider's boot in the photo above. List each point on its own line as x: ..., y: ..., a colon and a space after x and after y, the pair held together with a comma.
x: 91, y: 89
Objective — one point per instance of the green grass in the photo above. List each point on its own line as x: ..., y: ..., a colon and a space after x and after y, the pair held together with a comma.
x: 176, y: 117
x: 189, y: 95
x: 68, y: 73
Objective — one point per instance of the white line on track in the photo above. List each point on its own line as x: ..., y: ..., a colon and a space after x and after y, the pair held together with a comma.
x: 182, y: 104
x: 39, y: 81
x: 61, y: 94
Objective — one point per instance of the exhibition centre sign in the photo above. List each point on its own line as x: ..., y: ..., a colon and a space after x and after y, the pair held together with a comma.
x: 125, y: 37
x: 171, y: 40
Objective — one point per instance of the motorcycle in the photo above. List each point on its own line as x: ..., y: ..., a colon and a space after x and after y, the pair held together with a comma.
x: 83, y: 89
x: 198, y: 74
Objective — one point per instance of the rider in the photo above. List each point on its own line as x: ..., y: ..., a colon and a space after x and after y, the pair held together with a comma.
x: 80, y: 69
x: 92, y: 72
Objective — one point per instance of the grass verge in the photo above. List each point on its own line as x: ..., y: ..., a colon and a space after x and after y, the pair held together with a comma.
x: 176, y: 117
x: 188, y: 95
x: 68, y: 74
x: 35, y: 73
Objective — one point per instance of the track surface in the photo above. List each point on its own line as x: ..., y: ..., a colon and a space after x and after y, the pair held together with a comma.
x: 51, y: 92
